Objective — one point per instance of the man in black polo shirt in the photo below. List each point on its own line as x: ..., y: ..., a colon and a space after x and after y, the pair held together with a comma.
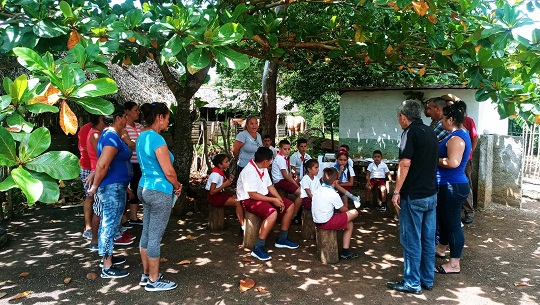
x: 415, y: 197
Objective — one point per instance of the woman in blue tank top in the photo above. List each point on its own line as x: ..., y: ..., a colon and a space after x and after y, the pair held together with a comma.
x: 454, y: 152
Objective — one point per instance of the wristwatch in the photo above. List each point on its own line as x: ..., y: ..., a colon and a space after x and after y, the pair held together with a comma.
x: 396, y: 193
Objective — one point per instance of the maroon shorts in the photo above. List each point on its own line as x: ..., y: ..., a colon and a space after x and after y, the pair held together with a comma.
x: 219, y: 199
x: 378, y: 182
x: 306, y: 203
x: 347, y: 188
x: 287, y: 186
x: 264, y: 209
x: 337, y: 222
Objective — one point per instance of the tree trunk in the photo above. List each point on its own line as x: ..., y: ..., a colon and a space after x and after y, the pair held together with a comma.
x: 269, y: 94
x: 183, y: 92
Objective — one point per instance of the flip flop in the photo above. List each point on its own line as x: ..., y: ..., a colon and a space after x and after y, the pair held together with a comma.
x: 439, y: 269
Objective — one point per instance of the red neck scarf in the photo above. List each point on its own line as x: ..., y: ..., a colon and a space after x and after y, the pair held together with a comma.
x: 286, y: 160
x: 261, y: 174
x: 220, y: 172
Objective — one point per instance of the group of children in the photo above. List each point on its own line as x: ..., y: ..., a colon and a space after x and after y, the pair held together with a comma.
x: 325, y: 195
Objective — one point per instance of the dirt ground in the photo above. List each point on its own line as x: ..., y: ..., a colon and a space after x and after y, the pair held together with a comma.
x: 502, y: 249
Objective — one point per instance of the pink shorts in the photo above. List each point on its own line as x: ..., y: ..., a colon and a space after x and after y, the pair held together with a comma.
x: 264, y: 209
x: 287, y: 186
x: 378, y: 182
x: 337, y: 222
x: 219, y: 199
x: 306, y: 203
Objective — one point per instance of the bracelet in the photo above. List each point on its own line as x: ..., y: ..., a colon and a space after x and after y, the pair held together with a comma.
x: 396, y: 193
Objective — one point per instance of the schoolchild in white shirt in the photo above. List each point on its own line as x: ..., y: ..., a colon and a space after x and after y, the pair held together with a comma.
x: 282, y: 178
x: 310, y: 183
x: 258, y: 195
x: 376, y: 175
x: 218, y: 182
x: 298, y: 159
x: 325, y: 201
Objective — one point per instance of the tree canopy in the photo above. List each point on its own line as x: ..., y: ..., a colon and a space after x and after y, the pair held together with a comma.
x: 469, y: 41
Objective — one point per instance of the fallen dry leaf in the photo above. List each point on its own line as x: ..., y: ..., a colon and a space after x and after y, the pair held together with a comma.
x: 91, y: 276
x: 189, y: 237
x: 246, y: 285
x: 3, y: 294
x: 8, y: 282
x: 24, y: 274
x: 248, y: 260
x: 184, y: 262
x: 21, y: 295
x: 67, y: 280
x: 261, y: 289
x: 181, y: 222
x: 522, y: 284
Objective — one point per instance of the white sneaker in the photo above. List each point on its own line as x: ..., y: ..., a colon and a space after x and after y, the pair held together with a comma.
x: 87, y: 234
x: 160, y: 284
x: 357, y: 202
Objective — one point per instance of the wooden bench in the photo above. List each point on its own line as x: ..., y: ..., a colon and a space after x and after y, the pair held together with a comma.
x: 252, y: 224
x: 327, y: 246
x: 216, y: 217
x: 308, y: 226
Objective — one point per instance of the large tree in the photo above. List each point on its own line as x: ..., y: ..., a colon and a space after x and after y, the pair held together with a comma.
x: 472, y: 40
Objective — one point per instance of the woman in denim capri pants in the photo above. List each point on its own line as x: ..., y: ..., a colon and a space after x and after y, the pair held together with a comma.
x: 111, y: 178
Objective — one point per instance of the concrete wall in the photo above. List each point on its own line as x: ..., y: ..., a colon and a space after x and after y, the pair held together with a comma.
x: 497, y: 173
x: 368, y: 118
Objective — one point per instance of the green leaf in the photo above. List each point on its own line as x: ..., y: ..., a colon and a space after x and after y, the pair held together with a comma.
x: 199, y: 59
x: 98, y: 68
x: 109, y: 47
x: 67, y: 79
x: 172, y: 47
x: 481, y: 95
x: 51, y: 191
x: 8, y: 154
x: 30, y: 186
x: 17, y: 121
x: 41, y: 108
x: 95, y: 88
x: 7, y: 184
x: 95, y: 105
x: 228, y: 33
x: 49, y: 163
x: 49, y: 29
x: 29, y: 59
x: 484, y: 55
x: 5, y: 83
x: 80, y: 54
x: 66, y: 9
x: 38, y: 142
x: 230, y: 58
x: 5, y: 100
x: 17, y: 87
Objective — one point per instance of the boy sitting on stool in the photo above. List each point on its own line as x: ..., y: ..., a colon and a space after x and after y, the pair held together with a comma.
x: 282, y: 178
x: 258, y: 196
x: 325, y: 201
x: 375, y: 176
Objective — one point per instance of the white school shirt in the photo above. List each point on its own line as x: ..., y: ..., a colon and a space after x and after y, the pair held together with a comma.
x: 307, y: 183
x: 377, y: 172
x: 344, y: 175
x: 297, y: 162
x: 324, y: 201
x: 214, y: 178
x: 250, y: 181
x: 278, y: 164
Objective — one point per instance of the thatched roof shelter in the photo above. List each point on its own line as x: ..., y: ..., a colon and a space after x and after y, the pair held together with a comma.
x: 144, y: 83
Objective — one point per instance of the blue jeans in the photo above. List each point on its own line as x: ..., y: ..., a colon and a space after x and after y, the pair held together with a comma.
x: 417, y: 235
x: 449, y: 202
x: 113, y: 201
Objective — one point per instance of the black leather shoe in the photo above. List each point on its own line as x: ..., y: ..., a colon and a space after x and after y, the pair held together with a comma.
x: 429, y: 288
x: 400, y: 286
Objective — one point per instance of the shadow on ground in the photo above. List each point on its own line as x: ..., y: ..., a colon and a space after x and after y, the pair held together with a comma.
x: 502, y: 248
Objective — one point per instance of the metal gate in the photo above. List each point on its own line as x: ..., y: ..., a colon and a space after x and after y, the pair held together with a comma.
x: 531, y: 150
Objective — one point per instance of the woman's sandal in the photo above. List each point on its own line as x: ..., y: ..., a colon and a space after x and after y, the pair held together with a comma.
x: 440, y: 269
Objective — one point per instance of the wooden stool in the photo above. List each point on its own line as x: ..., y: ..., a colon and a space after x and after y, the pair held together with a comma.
x: 252, y: 224
x: 327, y: 246
x: 308, y: 226
x: 216, y: 217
